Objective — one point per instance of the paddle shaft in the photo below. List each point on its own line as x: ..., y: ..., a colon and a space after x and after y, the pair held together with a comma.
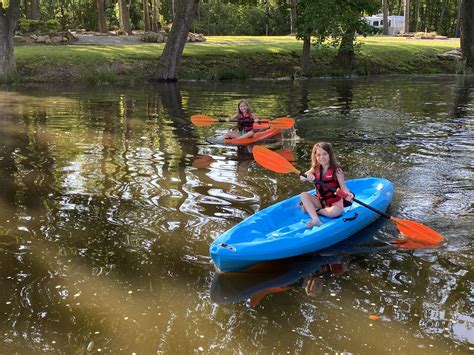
x: 330, y: 188
x: 261, y: 121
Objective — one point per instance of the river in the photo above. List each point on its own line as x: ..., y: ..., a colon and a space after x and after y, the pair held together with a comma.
x: 110, y: 199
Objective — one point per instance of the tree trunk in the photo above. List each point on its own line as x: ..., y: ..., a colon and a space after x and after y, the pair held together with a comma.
x: 8, y: 21
x: 440, y: 28
x: 345, y: 55
x: 173, y: 51
x: 385, y: 17
x: 35, y: 13
x: 124, y: 17
x: 306, y: 64
x: 406, y: 12
x: 457, y: 33
x: 417, y: 15
x: 146, y: 15
x: 293, y: 16
x: 467, y: 38
x: 155, y: 24
x: 101, y: 16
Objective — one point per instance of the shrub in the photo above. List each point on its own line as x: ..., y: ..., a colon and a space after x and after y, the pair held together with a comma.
x: 38, y: 26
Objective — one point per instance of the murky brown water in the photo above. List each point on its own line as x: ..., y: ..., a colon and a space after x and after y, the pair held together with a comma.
x: 110, y: 199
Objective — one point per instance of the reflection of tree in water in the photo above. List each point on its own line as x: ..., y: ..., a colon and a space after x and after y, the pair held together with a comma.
x: 462, y: 97
x: 345, y: 91
x: 57, y: 223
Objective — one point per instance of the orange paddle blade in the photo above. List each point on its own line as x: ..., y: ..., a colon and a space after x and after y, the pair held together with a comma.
x: 202, y: 161
x: 259, y: 296
x: 287, y: 153
x: 202, y: 120
x: 417, y: 232
x: 282, y: 122
x: 272, y: 161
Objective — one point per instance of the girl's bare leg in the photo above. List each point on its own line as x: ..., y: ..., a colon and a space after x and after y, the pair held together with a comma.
x: 331, y: 212
x: 247, y: 135
x: 232, y: 135
x: 311, y: 203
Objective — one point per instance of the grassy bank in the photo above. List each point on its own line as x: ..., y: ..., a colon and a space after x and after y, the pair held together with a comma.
x: 223, y: 58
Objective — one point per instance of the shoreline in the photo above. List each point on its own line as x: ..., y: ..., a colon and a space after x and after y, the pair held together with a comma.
x: 227, y: 58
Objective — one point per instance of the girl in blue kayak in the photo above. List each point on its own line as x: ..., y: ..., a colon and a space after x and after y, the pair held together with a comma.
x: 246, y: 119
x: 325, y: 168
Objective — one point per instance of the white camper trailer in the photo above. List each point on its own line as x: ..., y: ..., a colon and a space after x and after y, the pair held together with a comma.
x: 395, y: 23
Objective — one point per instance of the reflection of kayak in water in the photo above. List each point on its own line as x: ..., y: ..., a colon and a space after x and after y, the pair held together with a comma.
x: 279, y: 231
x: 243, y: 153
x: 306, y: 270
x: 272, y: 277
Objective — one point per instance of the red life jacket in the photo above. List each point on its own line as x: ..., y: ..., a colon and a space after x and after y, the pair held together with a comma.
x: 245, y: 122
x: 326, y: 196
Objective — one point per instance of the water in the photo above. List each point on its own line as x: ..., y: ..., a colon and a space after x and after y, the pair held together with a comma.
x: 111, y: 198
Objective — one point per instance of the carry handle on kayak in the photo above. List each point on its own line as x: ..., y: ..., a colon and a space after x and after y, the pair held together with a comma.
x: 410, y: 229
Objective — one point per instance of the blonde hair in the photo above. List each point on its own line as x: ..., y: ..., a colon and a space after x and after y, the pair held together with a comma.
x: 327, y: 147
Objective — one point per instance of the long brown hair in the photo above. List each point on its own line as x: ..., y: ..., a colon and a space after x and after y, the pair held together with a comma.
x: 248, y: 105
x: 327, y: 147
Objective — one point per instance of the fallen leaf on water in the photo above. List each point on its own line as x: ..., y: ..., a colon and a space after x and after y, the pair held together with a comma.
x: 374, y: 317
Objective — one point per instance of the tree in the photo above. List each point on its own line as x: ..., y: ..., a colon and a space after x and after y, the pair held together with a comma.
x: 8, y: 22
x: 124, y: 15
x: 146, y: 15
x: 173, y: 51
x: 155, y: 14
x: 101, y: 16
x: 32, y: 9
x: 467, y: 40
x: 334, y: 23
x: 293, y: 16
x: 406, y: 12
x: 385, y: 17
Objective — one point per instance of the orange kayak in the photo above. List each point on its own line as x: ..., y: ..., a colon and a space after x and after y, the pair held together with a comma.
x: 263, y: 131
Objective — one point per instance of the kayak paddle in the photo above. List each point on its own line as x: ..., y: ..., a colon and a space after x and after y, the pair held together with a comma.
x: 205, y: 120
x: 409, y: 229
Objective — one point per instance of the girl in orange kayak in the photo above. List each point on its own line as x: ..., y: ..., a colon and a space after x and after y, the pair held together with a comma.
x: 246, y: 119
x: 326, y: 168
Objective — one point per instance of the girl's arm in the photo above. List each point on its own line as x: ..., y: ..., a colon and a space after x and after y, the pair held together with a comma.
x: 342, y: 184
x: 233, y: 117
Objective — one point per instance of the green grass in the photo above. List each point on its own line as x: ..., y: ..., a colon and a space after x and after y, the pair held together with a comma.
x: 225, y: 57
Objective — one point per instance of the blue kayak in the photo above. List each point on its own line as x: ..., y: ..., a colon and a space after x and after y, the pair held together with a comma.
x: 279, y: 231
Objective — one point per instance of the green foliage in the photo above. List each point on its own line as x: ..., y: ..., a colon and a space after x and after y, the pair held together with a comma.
x: 105, y: 75
x: 256, y: 17
x: 329, y: 20
x: 38, y: 26
x: 241, y: 18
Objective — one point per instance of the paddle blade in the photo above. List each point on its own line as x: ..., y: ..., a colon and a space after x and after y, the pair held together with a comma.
x: 417, y: 232
x: 202, y: 161
x: 202, y: 120
x: 272, y: 161
x: 282, y: 122
x: 287, y: 153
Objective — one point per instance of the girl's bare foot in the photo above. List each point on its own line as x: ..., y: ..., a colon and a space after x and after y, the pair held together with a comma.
x: 314, y: 222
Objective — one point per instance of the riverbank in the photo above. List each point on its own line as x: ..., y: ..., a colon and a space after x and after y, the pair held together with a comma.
x: 226, y: 58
